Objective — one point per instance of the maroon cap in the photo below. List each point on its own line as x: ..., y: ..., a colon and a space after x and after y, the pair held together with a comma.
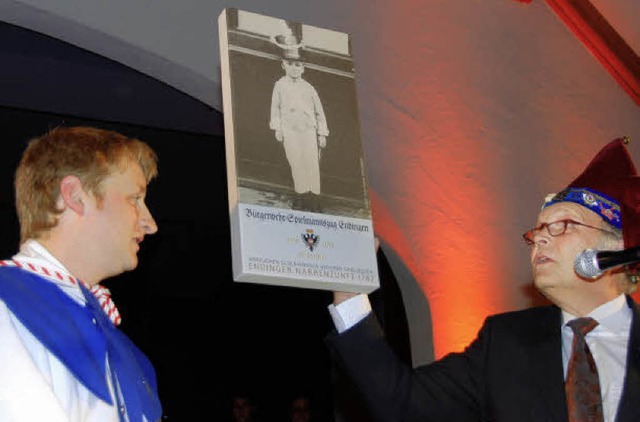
x: 613, y: 174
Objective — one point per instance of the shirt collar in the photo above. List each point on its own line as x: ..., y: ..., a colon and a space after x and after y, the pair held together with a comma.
x: 610, y: 316
x: 33, y: 252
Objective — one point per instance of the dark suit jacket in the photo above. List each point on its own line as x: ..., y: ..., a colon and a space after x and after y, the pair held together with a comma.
x: 511, y: 372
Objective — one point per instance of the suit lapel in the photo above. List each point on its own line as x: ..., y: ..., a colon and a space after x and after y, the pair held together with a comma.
x: 546, y: 366
x: 629, y: 409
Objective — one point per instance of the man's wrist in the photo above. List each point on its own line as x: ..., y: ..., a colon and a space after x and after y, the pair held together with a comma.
x: 349, y: 312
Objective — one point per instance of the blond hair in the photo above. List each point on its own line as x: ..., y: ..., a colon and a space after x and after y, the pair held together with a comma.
x: 89, y: 153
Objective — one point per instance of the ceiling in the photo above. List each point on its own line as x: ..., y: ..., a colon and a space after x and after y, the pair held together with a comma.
x: 176, y: 42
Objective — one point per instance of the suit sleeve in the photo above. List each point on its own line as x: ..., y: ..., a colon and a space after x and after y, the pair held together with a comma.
x: 447, y: 390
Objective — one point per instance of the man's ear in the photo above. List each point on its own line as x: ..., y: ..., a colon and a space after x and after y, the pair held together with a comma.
x: 72, y: 194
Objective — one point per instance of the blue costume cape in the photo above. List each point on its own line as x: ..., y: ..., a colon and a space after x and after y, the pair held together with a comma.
x: 80, y: 337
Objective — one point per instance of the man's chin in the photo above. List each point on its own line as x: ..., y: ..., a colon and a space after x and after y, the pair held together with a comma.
x: 132, y: 264
x: 543, y: 283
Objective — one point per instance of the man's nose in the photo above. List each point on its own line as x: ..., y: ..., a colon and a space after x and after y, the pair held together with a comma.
x: 148, y: 223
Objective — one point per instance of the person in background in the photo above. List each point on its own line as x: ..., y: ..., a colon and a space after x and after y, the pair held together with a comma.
x: 300, y: 408
x: 80, y: 201
x: 299, y: 123
x: 243, y: 407
x: 528, y: 365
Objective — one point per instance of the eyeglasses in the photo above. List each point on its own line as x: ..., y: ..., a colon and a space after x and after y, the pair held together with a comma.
x: 555, y: 228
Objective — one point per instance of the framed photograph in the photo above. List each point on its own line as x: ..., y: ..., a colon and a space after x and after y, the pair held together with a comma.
x: 297, y: 181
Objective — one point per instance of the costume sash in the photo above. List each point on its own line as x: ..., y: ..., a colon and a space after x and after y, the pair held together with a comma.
x: 80, y: 337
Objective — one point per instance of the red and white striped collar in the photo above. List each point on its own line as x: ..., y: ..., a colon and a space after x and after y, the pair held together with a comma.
x: 44, y: 271
x: 64, y: 279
